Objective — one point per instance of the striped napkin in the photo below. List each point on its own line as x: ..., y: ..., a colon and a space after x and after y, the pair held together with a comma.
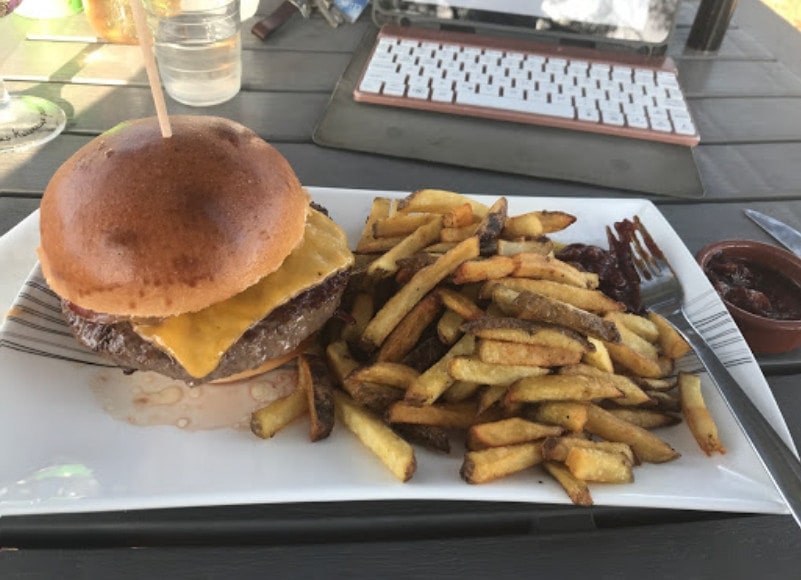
x: 34, y: 325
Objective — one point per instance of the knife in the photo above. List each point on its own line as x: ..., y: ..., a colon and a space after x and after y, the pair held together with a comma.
x: 788, y: 236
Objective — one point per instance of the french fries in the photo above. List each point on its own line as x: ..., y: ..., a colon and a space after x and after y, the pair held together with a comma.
x: 391, y: 449
x: 697, y: 415
x: 561, y: 388
x: 462, y: 324
x: 421, y: 283
x: 314, y: 378
x: 496, y: 462
x: 508, y: 432
x: 269, y: 420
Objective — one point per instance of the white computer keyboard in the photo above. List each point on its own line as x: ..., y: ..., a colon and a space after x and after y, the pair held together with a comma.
x: 528, y: 87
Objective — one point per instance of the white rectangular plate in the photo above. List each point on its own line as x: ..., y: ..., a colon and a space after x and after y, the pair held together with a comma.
x: 61, y: 452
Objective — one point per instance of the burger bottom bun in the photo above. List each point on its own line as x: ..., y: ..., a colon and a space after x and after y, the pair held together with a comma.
x: 277, y: 335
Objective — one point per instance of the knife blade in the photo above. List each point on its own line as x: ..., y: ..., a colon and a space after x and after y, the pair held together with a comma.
x: 788, y: 236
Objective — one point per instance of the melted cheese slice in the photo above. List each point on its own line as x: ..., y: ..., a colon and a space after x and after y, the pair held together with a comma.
x: 198, y: 340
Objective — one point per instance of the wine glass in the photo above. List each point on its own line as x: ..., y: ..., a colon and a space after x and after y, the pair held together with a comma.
x: 26, y: 120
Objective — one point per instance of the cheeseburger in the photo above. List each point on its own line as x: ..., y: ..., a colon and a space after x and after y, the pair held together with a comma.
x: 198, y: 256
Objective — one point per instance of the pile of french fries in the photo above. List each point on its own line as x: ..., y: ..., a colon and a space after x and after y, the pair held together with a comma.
x: 463, y: 325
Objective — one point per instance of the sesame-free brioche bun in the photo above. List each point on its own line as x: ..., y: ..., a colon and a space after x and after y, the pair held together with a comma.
x: 137, y: 225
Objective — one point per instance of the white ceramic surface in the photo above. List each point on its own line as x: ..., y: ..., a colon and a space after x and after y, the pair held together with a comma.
x: 61, y: 452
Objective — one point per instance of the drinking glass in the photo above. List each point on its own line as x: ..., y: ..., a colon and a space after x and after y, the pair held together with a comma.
x: 25, y: 120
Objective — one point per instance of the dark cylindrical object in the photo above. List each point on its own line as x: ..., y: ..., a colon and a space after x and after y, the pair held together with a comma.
x: 710, y: 24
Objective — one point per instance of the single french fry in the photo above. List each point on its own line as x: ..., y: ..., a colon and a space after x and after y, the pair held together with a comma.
x: 647, y: 446
x: 698, y: 418
x: 515, y: 353
x: 598, y: 357
x: 386, y: 373
x: 554, y: 221
x: 527, y: 332
x: 496, y: 462
x: 645, y: 418
x: 408, y: 331
x: 633, y: 340
x: 430, y: 436
x: 596, y: 465
x: 576, y: 489
x: 561, y: 388
x: 490, y: 395
x: 361, y: 311
x: 491, y: 225
x: 664, y: 401
x: 527, y: 225
x: 438, y: 201
x: 391, y: 449
x: 424, y: 235
x: 508, y: 432
x: 340, y: 361
x: 451, y: 235
x: 460, y: 215
x: 432, y: 383
x: 632, y: 393
x: 571, y: 415
x: 380, y: 209
x: 584, y: 298
x: 447, y: 415
x: 542, y: 246
x: 476, y: 371
x: 315, y: 378
x: 640, y: 325
x: 375, y: 396
x: 557, y: 448
x: 460, y: 390
x: 460, y: 303
x: 399, y: 225
x: 633, y: 361
x: 531, y: 306
x: 441, y: 247
x: 662, y: 384
x: 421, y: 283
x: 485, y: 269
x: 671, y: 342
x: 269, y: 420
x: 449, y: 327
x: 550, y: 268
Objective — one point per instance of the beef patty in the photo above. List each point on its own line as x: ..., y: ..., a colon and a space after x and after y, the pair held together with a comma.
x: 280, y: 332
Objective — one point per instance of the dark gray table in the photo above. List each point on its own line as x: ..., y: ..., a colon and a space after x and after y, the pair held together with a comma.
x: 747, y: 101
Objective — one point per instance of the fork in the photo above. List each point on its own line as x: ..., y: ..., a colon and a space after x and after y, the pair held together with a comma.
x: 663, y: 294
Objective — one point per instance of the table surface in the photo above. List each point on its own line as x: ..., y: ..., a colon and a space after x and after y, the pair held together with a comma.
x: 746, y: 99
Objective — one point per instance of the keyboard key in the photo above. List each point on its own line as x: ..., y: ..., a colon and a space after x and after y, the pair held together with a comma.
x: 442, y: 95
x: 418, y: 92
x: 613, y: 118
x: 661, y: 124
x: 370, y: 85
x: 684, y: 126
x: 667, y: 79
x: 394, y: 89
x: 591, y: 115
x: 637, y: 120
x: 513, y: 93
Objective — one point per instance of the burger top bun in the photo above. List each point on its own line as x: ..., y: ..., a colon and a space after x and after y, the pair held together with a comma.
x: 134, y: 224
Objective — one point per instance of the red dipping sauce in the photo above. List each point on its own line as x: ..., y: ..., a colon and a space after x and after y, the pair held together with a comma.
x: 754, y: 288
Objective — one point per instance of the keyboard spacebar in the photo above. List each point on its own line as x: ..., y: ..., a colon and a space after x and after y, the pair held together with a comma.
x: 516, y: 105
